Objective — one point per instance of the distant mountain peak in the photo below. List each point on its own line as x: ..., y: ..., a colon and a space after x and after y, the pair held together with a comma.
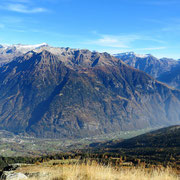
x: 164, y: 69
x: 9, y: 52
x: 23, y: 46
x: 132, y: 54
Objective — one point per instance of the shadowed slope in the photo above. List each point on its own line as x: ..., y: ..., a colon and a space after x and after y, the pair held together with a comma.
x: 78, y: 93
x: 162, y: 138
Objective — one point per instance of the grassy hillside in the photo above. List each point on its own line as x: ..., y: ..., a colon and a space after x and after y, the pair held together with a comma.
x: 157, y: 147
x: 162, y: 150
x: 95, y: 171
x: 165, y: 137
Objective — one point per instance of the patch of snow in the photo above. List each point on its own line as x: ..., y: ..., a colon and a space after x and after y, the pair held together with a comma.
x: 141, y: 55
x: 132, y: 54
x: 23, y: 48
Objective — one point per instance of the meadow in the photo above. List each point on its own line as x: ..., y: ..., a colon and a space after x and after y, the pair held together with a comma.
x: 94, y: 171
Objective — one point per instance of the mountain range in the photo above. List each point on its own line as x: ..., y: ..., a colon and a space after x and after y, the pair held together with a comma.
x: 53, y: 92
x: 9, y: 52
x: 166, y: 70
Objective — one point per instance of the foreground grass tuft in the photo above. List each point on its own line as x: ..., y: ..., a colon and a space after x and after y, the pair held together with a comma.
x: 94, y: 171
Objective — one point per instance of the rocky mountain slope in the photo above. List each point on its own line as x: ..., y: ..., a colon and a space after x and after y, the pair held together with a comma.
x: 171, y: 77
x: 157, y: 68
x: 9, y: 52
x: 63, y: 92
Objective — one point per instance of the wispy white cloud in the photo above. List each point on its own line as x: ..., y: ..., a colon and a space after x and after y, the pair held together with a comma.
x: 167, y: 25
x: 152, y: 39
x: 128, y: 42
x: 172, y: 28
x: 150, y: 48
x: 21, y: 8
x: 142, y: 50
x: 121, y: 41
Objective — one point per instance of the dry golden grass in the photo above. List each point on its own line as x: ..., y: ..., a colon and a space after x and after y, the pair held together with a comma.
x: 94, y: 171
x: 99, y: 172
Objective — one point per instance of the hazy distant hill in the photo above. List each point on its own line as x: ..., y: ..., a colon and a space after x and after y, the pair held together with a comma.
x: 172, y: 77
x: 165, y: 137
x: 164, y: 69
x: 63, y: 92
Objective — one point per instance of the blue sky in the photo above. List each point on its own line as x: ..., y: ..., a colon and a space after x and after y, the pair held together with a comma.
x: 142, y: 26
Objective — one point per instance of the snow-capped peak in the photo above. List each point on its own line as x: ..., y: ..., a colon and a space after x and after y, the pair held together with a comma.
x: 132, y: 54
x: 30, y: 46
x: 142, y: 55
x: 22, y: 48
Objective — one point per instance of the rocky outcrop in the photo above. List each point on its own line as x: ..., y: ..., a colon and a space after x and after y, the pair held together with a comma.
x: 12, y: 172
x: 11, y: 175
